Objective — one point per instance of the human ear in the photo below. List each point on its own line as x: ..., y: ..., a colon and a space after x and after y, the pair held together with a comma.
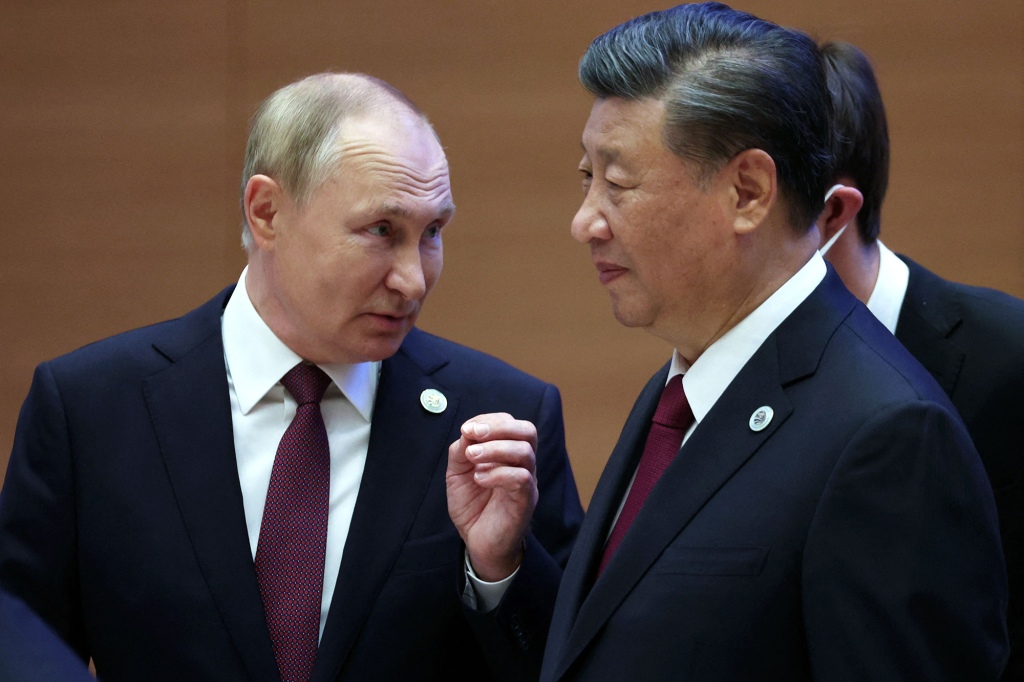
x: 261, y: 204
x: 751, y: 174
x: 840, y: 210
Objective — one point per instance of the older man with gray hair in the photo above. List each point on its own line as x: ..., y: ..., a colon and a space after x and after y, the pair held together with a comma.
x: 256, y: 490
x: 792, y: 497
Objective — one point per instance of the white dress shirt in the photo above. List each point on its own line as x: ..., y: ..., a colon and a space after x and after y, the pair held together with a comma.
x: 261, y: 411
x: 886, y: 298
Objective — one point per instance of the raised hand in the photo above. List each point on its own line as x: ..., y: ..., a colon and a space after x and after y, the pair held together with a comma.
x: 492, y: 491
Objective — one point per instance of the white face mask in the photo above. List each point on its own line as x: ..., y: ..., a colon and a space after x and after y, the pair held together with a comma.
x: 828, y: 245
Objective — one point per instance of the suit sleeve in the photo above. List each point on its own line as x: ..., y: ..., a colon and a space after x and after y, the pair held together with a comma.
x: 37, y: 514
x: 513, y: 635
x: 29, y: 651
x: 903, y: 575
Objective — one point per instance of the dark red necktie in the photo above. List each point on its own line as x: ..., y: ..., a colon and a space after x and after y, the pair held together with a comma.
x: 671, y: 420
x: 293, y: 534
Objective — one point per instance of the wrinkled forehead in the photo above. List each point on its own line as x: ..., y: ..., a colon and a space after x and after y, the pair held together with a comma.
x: 398, y: 163
x: 402, y: 136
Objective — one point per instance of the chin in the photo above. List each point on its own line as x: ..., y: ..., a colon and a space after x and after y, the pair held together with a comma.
x: 382, y: 348
x: 629, y: 316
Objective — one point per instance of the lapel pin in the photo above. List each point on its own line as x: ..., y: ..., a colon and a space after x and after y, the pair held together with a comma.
x: 761, y: 418
x: 433, y: 401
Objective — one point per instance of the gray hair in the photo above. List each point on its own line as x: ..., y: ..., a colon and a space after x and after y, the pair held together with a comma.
x: 730, y: 82
x: 294, y: 132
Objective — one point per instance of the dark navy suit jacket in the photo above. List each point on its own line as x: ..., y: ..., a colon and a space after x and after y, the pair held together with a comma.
x: 854, y: 538
x: 30, y: 651
x: 121, y: 519
x: 972, y: 341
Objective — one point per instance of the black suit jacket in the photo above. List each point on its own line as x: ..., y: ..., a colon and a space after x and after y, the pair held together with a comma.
x: 853, y: 538
x: 121, y: 519
x: 972, y: 341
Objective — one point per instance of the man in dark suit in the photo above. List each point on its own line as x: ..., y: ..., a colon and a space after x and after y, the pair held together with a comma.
x: 255, y: 491
x: 30, y: 651
x: 970, y: 339
x: 826, y: 517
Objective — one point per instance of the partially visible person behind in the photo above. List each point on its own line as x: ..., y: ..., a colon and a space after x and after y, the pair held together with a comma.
x: 256, y: 490
x: 969, y: 338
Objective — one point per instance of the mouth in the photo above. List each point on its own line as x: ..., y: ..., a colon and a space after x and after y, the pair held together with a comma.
x: 389, y: 321
x: 608, y: 272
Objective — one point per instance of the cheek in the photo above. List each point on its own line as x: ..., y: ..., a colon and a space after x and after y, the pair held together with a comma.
x: 432, y: 260
x: 352, y: 265
x: 638, y: 220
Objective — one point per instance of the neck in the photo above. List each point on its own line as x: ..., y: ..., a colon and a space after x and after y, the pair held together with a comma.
x: 856, y: 263
x: 270, y: 308
x: 766, y: 269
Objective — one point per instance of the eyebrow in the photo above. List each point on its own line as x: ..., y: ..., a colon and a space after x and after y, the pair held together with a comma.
x: 606, y: 154
x: 446, y: 211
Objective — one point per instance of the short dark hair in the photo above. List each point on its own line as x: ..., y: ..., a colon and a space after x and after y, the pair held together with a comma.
x: 730, y: 82
x: 861, y: 133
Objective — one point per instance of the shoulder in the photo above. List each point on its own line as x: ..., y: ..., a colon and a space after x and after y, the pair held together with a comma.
x: 872, y: 404
x: 985, y: 325
x: 837, y: 358
x: 864, y: 372
x: 870, y: 356
x: 858, y: 357
x: 997, y: 316
x: 970, y: 311
x: 144, y: 349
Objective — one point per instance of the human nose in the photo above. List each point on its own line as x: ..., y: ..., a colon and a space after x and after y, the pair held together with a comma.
x: 406, y: 275
x: 589, y: 223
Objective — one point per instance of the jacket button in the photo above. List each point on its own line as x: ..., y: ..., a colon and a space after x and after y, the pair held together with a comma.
x: 521, y: 636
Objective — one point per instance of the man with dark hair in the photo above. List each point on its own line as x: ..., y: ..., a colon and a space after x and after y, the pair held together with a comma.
x: 792, y: 496
x: 256, y: 490
x: 969, y: 338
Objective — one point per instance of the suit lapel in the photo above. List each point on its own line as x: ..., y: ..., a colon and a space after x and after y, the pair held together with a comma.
x: 590, y: 542
x: 406, y: 445
x: 191, y: 414
x: 927, y: 318
x: 720, y: 445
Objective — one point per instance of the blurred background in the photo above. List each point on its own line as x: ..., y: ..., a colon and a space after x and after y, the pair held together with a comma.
x: 123, y: 124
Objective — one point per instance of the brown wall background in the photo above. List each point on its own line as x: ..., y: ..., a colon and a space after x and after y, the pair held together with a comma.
x: 122, y: 126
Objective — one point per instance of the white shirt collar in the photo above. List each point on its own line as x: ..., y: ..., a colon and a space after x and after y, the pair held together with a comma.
x: 890, y: 288
x: 256, y: 359
x: 706, y: 380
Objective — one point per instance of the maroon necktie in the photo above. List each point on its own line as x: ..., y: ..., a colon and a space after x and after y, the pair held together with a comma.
x: 293, y: 534
x: 671, y: 420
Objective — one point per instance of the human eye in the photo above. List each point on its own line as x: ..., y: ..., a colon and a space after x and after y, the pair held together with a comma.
x: 588, y: 178
x: 383, y: 230
x: 616, y: 182
x: 433, y: 232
